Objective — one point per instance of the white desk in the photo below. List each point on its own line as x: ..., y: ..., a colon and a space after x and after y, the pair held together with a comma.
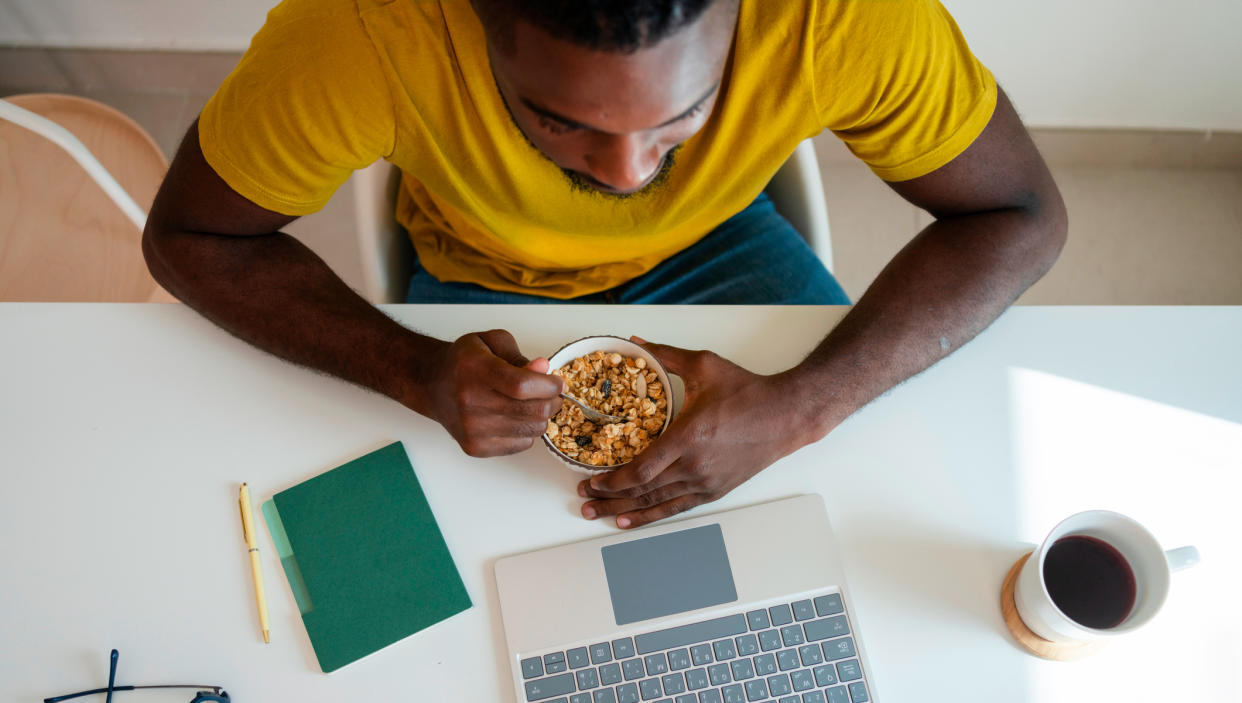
x: 124, y: 431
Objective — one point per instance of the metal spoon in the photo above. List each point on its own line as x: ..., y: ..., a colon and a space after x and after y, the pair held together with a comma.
x: 592, y: 414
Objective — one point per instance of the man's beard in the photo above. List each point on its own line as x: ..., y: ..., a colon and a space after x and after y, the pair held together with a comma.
x: 582, y: 185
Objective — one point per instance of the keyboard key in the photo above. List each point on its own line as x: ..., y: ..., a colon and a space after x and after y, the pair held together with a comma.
x: 802, y: 680
x: 747, y: 644
x: 828, y: 627
x: 657, y: 664
x: 790, y: 699
x: 701, y: 654
x: 627, y: 693
x: 741, y: 669
x: 728, y: 626
x: 813, y: 697
x: 829, y: 605
x: 756, y: 690
x: 633, y: 669
x: 550, y: 686
x: 769, y: 640
x: 839, y: 649
x: 604, y: 695
x: 580, y: 698
x: 623, y: 648
x: 711, y: 695
x: 673, y: 684
x: 792, y: 635
x: 765, y: 664
x: 719, y: 674
x: 650, y: 689
x: 849, y: 670
x: 825, y: 675
x: 733, y: 694
x: 803, y: 610
x: 787, y: 659
x: 601, y: 653
x: 587, y: 679
x: 679, y: 659
x: 779, y: 685
x: 578, y: 657
x: 810, y: 655
x: 858, y: 692
x: 758, y: 619
x: 610, y: 674
x: 837, y: 694
x: 780, y: 615
x: 724, y: 649
x: 532, y: 667
x: 696, y: 679
x: 686, y: 698
x: 554, y: 663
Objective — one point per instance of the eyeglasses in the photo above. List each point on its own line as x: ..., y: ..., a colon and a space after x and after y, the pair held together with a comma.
x: 216, y: 693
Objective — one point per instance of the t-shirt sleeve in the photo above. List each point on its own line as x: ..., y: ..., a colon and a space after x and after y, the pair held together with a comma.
x: 306, y: 106
x: 896, y: 81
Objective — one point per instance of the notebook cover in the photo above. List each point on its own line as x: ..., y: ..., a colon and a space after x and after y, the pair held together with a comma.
x: 364, y: 557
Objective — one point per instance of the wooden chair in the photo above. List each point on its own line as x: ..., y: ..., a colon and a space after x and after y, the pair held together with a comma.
x: 69, y: 228
x: 797, y: 192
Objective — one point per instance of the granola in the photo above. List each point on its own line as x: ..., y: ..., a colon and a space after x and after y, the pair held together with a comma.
x: 615, y: 385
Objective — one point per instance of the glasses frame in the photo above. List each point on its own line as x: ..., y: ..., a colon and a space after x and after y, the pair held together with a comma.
x: 205, y: 694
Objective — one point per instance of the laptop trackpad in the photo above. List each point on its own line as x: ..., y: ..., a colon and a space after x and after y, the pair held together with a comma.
x: 668, y: 574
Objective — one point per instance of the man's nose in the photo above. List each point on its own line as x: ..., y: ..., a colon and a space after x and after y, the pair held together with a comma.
x: 625, y: 162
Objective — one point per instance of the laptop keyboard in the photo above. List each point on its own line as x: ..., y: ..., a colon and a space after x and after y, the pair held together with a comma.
x: 798, y: 652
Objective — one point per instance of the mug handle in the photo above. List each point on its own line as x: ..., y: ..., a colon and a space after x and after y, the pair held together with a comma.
x: 1181, y: 558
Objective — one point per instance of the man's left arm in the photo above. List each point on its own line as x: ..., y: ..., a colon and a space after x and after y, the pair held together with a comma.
x: 1000, y: 224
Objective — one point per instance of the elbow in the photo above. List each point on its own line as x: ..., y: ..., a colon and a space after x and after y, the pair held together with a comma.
x: 156, y: 255
x: 1048, y: 230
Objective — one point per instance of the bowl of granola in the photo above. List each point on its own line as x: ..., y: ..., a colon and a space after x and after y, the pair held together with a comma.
x: 617, y: 377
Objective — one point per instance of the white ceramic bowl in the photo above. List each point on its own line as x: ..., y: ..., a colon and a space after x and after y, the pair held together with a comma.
x: 606, y: 343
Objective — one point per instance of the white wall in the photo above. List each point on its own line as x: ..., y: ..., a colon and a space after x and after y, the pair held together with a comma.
x: 1065, y: 63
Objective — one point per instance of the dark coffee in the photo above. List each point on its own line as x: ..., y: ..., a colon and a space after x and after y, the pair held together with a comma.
x: 1089, y: 581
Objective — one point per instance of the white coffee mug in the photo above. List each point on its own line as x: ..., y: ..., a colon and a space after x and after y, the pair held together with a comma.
x: 1149, y: 564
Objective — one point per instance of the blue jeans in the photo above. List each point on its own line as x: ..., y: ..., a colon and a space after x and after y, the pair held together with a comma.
x: 753, y: 258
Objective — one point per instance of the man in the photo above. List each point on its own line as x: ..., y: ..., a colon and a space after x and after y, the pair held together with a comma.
x: 606, y: 150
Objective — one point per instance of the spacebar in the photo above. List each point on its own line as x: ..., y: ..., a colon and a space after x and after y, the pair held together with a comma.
x: 693, y: 633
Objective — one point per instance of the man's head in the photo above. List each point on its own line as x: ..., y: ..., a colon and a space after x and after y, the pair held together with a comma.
x: 606, y: 89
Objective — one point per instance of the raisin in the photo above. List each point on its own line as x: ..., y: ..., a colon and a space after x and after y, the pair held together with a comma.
x: 606, y: 388
x: 582, y: 441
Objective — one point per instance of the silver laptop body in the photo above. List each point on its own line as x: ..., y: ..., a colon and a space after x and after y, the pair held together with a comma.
x: 742, y: 606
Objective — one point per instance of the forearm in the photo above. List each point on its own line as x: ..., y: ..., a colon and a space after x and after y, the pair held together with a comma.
x: 948, y: 284
x: 275, y: 293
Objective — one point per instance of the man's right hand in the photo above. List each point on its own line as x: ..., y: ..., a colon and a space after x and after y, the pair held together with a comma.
x: 224, y: 256
x: 493, y: 400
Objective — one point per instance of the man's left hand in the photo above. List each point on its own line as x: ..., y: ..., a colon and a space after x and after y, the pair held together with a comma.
x: 733, y: 424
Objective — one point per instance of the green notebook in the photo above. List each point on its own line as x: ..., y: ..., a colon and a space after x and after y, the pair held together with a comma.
x: 364, y: 557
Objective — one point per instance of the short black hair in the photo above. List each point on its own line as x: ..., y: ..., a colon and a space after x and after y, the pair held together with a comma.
x: 621, y: 26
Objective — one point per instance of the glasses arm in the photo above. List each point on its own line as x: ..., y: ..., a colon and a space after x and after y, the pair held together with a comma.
x: 67, y: 696
x: 112, y: 674
x: 79, y: 694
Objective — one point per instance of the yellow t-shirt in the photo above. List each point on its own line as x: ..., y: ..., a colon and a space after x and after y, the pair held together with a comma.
x: 329, y: 86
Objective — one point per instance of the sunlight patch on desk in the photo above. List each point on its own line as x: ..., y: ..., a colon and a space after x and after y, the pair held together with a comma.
x: 1081, y: 447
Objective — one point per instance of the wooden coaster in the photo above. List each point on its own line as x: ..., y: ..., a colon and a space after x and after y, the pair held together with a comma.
x: 1030, y: 641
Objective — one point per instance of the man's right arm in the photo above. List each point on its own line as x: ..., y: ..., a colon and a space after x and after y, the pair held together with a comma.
x: 225, y: 257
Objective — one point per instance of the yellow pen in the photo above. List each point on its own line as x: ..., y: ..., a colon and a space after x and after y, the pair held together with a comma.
x: 243, y: 501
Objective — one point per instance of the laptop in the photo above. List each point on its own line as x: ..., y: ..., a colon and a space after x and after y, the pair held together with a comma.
x: 743, y: 606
